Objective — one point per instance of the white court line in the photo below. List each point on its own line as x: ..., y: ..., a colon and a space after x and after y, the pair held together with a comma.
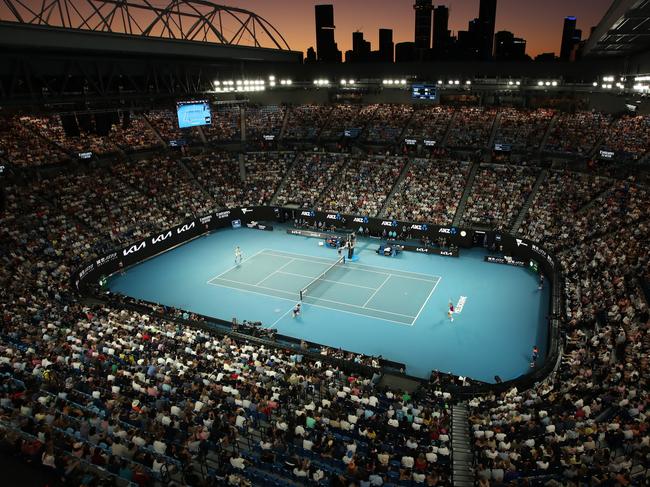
x: 276, y: 271
x: 237, y: 265
x: 426, y: 301
x: 320, y: 299
x: 356, y: 264
x: 283, y: 315
x: 376, y: 290
x: 311, y: 304
x: 326, y: 280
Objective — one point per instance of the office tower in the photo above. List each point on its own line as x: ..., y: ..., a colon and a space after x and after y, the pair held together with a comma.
x: 360, y: 49
x: 423, y: 9
x: 405, y: 52
x: 568, y: 38
x: 326, y: 49
x: 507, y: 47
x: 441, y: 31
x: 386, y: 46
x: 487, y: 18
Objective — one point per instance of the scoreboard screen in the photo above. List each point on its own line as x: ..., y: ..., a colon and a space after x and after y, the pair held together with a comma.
x: 424, y: 92
x: 193, y: 113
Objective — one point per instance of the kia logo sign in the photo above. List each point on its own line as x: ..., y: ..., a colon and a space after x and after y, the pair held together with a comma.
x: 185, y: 228
x: 447, y: 253
x: 134, y: 248
x: 421, y: 249
x: 161, y: 237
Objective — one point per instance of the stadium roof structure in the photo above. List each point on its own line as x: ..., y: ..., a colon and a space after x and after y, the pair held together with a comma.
x: 623, y: 31
x: 187, y: 28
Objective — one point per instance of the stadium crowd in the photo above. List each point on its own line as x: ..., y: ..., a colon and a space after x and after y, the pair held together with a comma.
x: 128, y: 393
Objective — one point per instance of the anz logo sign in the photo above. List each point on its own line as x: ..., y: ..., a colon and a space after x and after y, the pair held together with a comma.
x: 333, y: 217
x: 185, y: 228
x: 161, y: 238
x: 307, y: 213
x: 361, y: 219
x: 134, y: 248
x: 448, y: 231
x: 389, y: 223
x: 422, y: 228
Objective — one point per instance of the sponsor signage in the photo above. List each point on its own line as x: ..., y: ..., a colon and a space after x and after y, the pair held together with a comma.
x: 246, y: 210
x: 502, y: 147
x: 431, y: 250
x: 360, y: 219
x: 410, y: 141
x: 331, y: 216
x: 85, y: 155
x: 544, y: 254
x: 205, y: 219
x: 422, y: 227
x: 106, y: 259
x: 134, y: 249
x: 310, y: 214
x: 448, y: 231
x: 505, y: 260
x: 606, y: 154
x: 185, y: 228
x: 161, y: 238
x: 86, y: 270
x: 429, y: 143
x: 389, y: 223
x: 269, y: 137
x: 223, y: 214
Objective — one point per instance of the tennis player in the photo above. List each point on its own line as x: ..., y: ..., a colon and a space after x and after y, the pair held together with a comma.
x: 450, y: 313
x: 238, y: 255
x: 296, y: 310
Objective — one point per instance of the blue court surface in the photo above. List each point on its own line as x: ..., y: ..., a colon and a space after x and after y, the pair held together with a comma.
x: 390, y: 306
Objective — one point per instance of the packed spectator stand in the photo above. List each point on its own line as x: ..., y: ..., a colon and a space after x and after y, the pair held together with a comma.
x: 102, y: 390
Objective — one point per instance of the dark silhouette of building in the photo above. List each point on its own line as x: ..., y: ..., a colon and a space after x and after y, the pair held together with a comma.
x: 507, y: 47
x: 326, y: 47
x: 311, y: 55
x: 487, y: 18
x: 467, y: 44
x: 441, y: 38
x: 360, y: 49
x: 386, y: 46
x: 570, y: 39
x: 405, y: 52
x: 545, y: 57
x: 423, y: 10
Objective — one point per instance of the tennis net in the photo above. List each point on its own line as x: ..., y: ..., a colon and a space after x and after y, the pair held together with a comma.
x: 321, y: 277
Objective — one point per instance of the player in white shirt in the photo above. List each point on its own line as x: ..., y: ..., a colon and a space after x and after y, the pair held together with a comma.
x: 238, y: 255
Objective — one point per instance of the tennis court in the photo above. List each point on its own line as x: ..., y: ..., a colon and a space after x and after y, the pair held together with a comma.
x: 386, y: 294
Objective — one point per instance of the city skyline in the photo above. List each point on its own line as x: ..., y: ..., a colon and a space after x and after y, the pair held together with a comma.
x: 541, y: 24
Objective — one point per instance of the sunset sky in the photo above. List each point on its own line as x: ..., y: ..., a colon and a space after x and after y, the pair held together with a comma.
x: 537, y: 21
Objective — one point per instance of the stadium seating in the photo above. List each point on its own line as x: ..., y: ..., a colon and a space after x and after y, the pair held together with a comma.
x: 126, y: 391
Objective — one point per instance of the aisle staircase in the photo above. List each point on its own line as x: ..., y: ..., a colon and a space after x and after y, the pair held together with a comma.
x: 445, y: 137
x: 529, y: 201
x: 396, y: 186
x: 551, y: 124
x: 462, y: 458
x: 289, y: 172
x: 493, y: 131
x: 285, y: 120
x: 466, y: 192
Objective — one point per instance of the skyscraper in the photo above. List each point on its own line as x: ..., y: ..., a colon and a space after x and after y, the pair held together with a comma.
x: 568, y: 38
x: 360, y: 49
x: 326, y: 48
x: 507, y: 47
x: 386, y: 46
x: 423, y: 9
x: 440, y: 31
x: 487, y: 16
